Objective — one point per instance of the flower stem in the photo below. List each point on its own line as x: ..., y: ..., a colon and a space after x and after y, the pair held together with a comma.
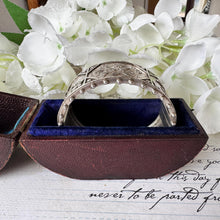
x: 174, y: 49
x: 3, y: 67
x: 6, y: 59
x: 207, y: 76
x: 132, y: 52
x: 147, y: 46
x: 179, y: 41
x: 10, y: 59
x: 8, y: 55
x: 159, y: 69
x: 168, y: 61
x: 179, y: 32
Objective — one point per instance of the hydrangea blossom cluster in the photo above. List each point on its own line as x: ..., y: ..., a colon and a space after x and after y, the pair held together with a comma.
x: 71, y: 35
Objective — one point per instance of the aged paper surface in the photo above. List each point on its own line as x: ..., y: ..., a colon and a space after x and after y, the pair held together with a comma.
x: 29, y: 191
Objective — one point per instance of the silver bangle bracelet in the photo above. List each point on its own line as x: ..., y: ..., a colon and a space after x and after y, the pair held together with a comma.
x: 120, y: 73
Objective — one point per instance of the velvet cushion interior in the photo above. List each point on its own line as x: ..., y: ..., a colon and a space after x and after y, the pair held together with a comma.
x: 111, y: 117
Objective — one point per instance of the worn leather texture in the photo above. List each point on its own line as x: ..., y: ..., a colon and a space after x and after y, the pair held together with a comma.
x: 15, y: 113
x: 115, y: 157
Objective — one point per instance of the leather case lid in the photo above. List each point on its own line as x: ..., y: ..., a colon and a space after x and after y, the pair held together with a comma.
x: 15, y: 113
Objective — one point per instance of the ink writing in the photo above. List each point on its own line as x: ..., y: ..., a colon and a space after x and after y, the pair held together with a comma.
x: 201, y: 195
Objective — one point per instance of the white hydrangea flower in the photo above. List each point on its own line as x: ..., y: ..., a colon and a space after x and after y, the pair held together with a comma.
x: 87, y: 4
x: 58, y: 80
x: 10, y: 67
x: 134, y: 41
x: 180, y: 79
x: 77, y: 52
x: 212, y: 45
x: 147, y: 30
x: 125, y: 16
x: 59, y: 13
x: 7, y: 46
x: 124, y: 43
x: 143, y: 60
x: 207, y: 110
x: 110, y: 54
x: 165, y: 25
x: 172, y: 7
x: 88, y: 95
x: 49, y: 85
x: 91, y: 33
x: 105, y: 90
x: 215, y: 64
x: 41, y: 51
x: 129, y: 91
x: 87, y: 23
x: 73, y: 4
x: 86, y: 32
x: 40, y: 54
x: 142, y: 26
x: 199, y: 25
x: 150, y: 34
x: 53, y: 94
x: 107, y: 9
x: 105, y: 55
x: 32, y: 81
x: 13, y: 79
x: 164, y: 17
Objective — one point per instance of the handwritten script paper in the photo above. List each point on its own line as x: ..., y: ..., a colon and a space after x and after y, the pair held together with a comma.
x: 29, y: 191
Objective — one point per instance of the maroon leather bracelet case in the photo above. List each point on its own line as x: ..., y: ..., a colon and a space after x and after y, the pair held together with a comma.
x: 15, y: 113
x: 113, y: 143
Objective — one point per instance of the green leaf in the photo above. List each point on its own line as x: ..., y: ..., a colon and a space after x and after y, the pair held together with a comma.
x: 18, y: 14
x: 14, y: 37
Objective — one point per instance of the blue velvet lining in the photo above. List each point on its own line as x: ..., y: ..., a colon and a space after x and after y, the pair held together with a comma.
x: 111, y: 117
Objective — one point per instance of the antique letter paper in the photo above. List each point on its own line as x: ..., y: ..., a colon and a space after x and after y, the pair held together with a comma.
x: 29, y: 191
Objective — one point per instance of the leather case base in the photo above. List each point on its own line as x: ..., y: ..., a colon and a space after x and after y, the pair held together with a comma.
x: 86, y: 154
